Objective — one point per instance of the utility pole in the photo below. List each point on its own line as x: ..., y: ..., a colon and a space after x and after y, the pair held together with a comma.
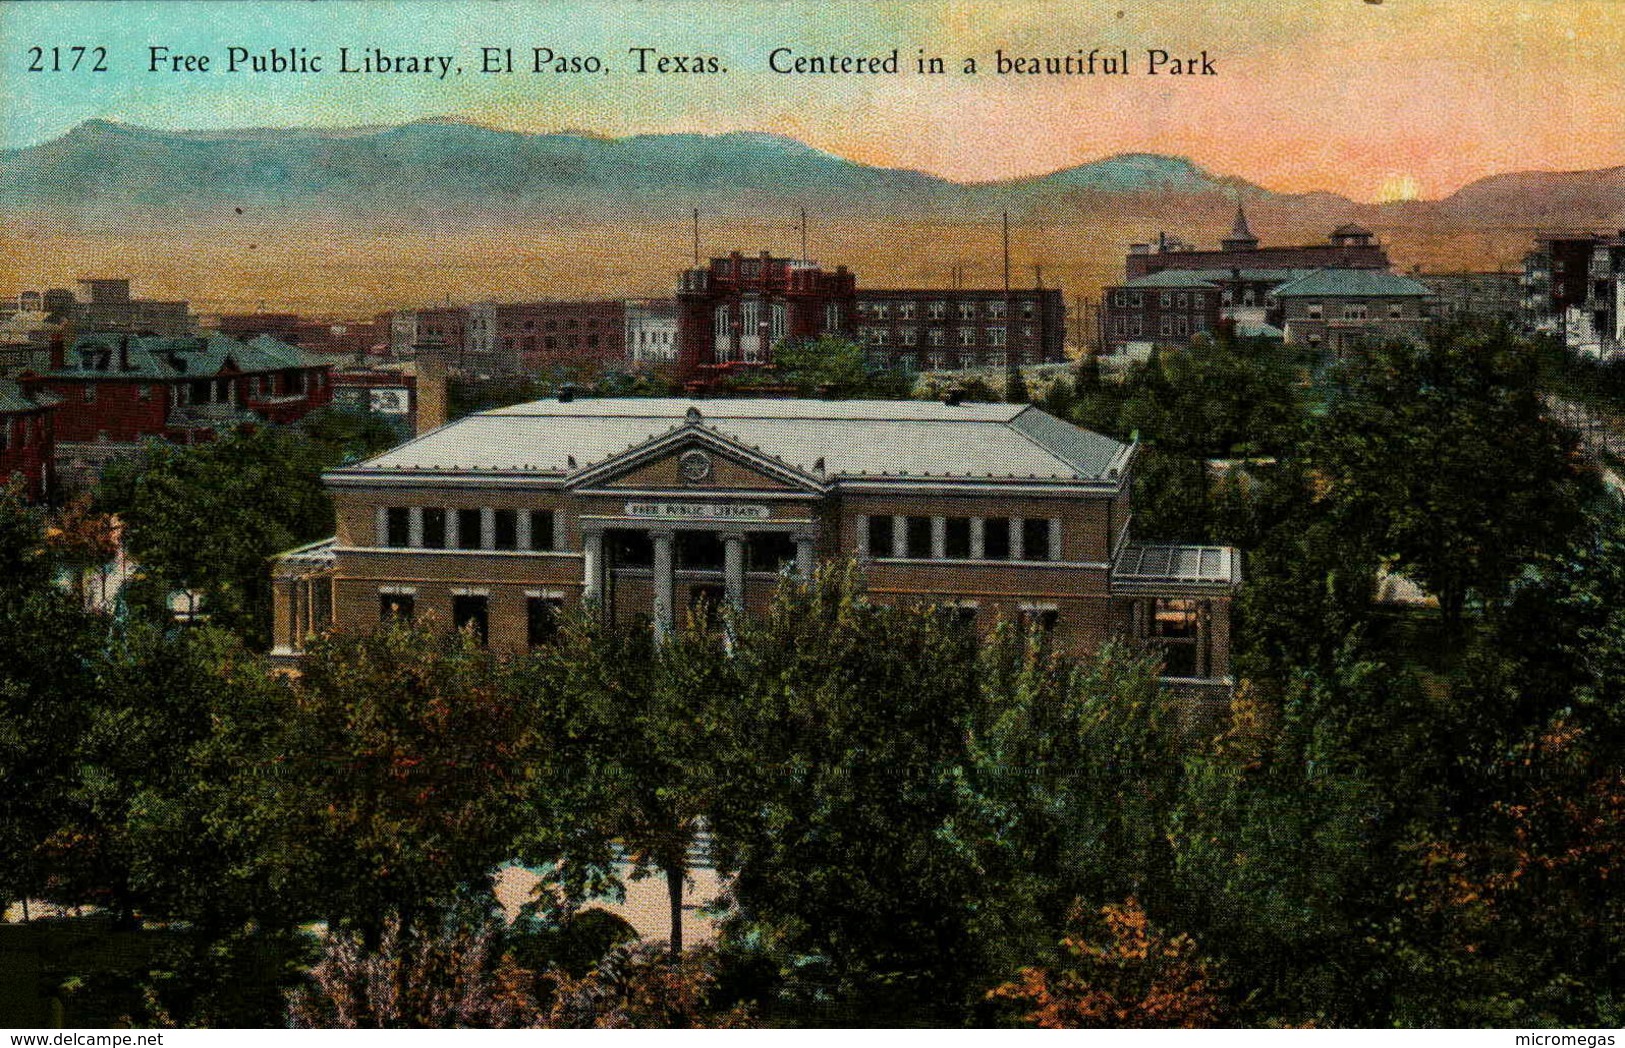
x: 803, y: 236
x: 1012, y: 369
x: 696, y: 238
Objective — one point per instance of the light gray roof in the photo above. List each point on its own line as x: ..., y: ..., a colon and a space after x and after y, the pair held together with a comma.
x: 1352, y: 283
x: 852, y: 438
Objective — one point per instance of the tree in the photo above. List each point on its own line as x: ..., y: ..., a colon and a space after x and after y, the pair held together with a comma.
x: 1133, y: 977
x: 838, y: 364
x: 839, y: 795
x: 1442, y: 455
x: 206, y: 517
x: 410, y: 773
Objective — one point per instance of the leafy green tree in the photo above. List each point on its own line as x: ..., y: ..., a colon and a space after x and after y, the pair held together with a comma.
x: 839, y: 809
x: 47, y: 643
x: 206, y: 517
x: 409, y: 774
x: 1443, y: 457
x: 837, y: 364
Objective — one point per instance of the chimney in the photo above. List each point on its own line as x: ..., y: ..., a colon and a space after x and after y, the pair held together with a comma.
x: 59, y: 351
x: 953, y: 397
x: 124, y: 353
x: 431, y: 394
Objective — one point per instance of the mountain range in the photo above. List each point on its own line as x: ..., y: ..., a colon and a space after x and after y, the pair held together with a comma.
x: 440, y: 208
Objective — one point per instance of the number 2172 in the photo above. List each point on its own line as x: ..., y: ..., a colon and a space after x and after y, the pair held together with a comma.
x: 66, y: 59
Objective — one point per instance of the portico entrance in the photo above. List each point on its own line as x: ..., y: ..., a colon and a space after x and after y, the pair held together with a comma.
x: 651, y: 573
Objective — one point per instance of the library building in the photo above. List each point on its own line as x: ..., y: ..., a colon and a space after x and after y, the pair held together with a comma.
x: 650, y: 507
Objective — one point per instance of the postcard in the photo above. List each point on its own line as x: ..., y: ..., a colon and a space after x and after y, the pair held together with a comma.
x: 795, y: 514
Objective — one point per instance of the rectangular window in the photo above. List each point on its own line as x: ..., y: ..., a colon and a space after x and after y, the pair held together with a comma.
x: 1121, y: 326
x: 956, y: 538
x: 995, y: 336
x: 434, y: 527
x: 542, y: 620
x: 967, y: 311
x: 1184, y: 300
x: 937, y: 310
x: 541, y: 529
x: 995, y: 310
x: 1120, y: 299
x: 996, y: 538
x: 910, y: 336
x: 1197, y: 300
x: 905, y: 311
x: 90, y: 394
x: 918, y: 535
x: 1035, y: 539
x: 1355, y: 312
x: 1043, y: 618
x: 395, y: 606
x: 938, y: 338
x: 1184, y: 325
x: 1167, y: 299
x: 880, y: 536
x: 1167, y: 324
x: 468, y: 529
x: 143, y: 392
x: 1315, y: 311
x: 967, y: 336
x: 399, y: 529
x: 1134, y: 325
x: 1137, y: 300
x: 471, y: 612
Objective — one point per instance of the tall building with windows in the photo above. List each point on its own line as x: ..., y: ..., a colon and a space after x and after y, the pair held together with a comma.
x: 651, y: 506
x: 935, y: 329
x: 736, y: 309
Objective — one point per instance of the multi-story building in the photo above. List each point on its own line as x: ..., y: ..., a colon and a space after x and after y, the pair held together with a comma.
x: 115, y: 391
x: 1172, y: 292
x: 934, y: 329
x: 647, y: 507
x: 651, y: 333
x: 736, y: 309
x: 1336, y: 310
x: 27, y: 439
x: 1574, y: 284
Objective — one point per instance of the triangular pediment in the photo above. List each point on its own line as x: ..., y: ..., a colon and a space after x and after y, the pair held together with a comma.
x: 695, y: 459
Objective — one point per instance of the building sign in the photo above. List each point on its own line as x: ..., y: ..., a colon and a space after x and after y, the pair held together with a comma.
x: 696, y: 511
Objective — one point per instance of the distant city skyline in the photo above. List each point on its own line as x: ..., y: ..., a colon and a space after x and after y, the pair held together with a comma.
x: 1389, y: 101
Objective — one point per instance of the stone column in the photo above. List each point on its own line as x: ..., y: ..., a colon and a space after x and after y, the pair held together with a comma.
x: 522, y: 531
x: 863, y: 536
x: 414, y: 527
x: 1055, y: 539
x: 454, y: 529
x: 560, y: 534
x: 733, y: 568
x: 1018, y: 545
x: 899, y: 536
x: 664, y: 580
x: 978, y: 538
x: 381, y: 523
x: 939, y: 538
x: 804, y: 556
x: 592, y: 565
x: 488, y: 528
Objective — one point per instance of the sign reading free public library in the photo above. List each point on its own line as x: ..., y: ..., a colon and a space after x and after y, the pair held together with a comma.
x: 696, y: 511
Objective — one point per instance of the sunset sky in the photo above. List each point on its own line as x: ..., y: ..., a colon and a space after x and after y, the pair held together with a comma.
x: 1343, y: 95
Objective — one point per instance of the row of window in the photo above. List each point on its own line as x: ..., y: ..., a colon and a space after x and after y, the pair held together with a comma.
x: 473, y: 612
x: 963, y: 538
x: 1353, y: 311
x: 183, y: 393
x: 436, y: 527
x: 1169, y: 325
x: 938, y: 310
x: 993, y: 336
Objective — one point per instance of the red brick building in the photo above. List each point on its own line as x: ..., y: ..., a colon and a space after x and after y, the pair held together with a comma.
x: 27, y: 439
x: 119, y: 390
x: 737, y: 308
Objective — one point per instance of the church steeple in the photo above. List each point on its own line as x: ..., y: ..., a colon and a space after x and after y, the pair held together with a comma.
x: 1241, y: 236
